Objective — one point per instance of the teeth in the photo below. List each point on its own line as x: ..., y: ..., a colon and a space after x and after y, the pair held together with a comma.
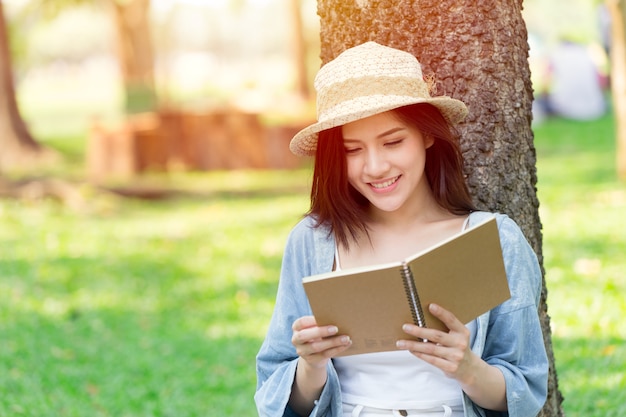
x: 384, y: 184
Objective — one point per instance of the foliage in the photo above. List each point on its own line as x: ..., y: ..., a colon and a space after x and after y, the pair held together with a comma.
x: 553, y: 19
x: 157, y: 308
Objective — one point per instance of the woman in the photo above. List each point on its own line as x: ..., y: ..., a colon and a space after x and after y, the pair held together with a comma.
x: 387, y: 183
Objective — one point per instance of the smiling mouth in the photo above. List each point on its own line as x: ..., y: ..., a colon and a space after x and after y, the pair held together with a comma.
x: 384, y: 184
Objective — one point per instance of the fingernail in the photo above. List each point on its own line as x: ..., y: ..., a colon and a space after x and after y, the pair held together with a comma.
x: 400, y: 344
x: 406, y: 327
x: 433, y: 307
x: 333, y: 330
x: 345, y: 340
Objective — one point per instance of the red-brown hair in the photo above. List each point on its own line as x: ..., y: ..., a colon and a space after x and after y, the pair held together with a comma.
x: 336, y: 204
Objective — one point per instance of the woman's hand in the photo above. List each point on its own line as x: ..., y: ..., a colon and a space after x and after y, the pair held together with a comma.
x: 450, y: 351
x: 316, y: 345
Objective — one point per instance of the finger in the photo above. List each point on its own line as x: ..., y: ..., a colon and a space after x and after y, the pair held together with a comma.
x: 345, y: 344
x: 312, y: 334
x: 426, y: 339
x: 324, y: 348
x: 329, y: 343
x: 303, y: 323
x: 447, y: 317
x: 308, y: 322
x: 423, y: 334
x: 458, y: 340
x: 437, y: 356
x: 318, y: 360
x: 445, y: 358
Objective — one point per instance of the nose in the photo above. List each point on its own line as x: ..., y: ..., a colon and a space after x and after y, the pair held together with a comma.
x: 376, y: 164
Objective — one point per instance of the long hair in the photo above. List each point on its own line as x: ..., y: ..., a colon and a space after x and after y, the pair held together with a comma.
x: 338, y: 205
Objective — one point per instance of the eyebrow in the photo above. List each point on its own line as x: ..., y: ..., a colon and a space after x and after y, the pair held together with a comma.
x: 380, y: 136
x: 390, y: 132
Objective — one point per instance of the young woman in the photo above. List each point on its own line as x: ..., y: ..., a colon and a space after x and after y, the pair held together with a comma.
x: 387, y: 183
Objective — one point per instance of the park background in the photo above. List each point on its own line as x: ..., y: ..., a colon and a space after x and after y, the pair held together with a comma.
x: 117, y: 306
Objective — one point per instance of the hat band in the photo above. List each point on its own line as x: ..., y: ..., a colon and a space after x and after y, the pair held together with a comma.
x: 353, y: 88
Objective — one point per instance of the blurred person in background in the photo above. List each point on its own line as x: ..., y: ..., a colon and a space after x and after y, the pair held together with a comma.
x: 575, y: 83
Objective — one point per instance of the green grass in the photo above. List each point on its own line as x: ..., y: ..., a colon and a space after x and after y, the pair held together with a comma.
x: 142, y: 310
x: 582, y: 211
x: 157, y: 308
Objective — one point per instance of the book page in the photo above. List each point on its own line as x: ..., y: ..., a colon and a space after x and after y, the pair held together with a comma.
x: 370, y: 306
x: 465, y: 275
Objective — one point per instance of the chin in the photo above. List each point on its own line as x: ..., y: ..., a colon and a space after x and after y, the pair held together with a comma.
x: 387, y: 208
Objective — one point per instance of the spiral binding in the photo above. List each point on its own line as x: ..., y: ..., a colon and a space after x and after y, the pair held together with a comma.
x: 411, y: 293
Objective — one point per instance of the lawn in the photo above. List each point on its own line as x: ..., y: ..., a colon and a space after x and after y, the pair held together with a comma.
x: 582, y: 211
x: 156, y: 308
x: 140, y: 309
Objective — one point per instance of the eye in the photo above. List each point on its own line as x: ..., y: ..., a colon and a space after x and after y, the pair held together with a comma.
x: 352, y: 150
x: 394, y: 142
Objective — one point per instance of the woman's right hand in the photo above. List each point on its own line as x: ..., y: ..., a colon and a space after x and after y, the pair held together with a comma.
x: 316, y: 345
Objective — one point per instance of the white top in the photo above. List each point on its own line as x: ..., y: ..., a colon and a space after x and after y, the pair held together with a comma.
x: 397, y: 380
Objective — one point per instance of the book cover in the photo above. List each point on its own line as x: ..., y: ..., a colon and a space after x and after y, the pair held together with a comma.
x: 464, y: 274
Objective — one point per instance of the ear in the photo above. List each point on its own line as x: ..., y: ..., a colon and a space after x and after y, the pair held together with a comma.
x: 429, y: 140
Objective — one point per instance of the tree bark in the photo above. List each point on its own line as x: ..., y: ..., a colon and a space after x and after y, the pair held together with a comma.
x: 478, y: 53
x: 136, y: 54
x: 17, y: 146
x: 617, y: 10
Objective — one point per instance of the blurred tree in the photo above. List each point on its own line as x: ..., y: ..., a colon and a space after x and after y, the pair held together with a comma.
x: 17, y: 146
x: 133, y: 45
x: 136, y: 53
x: 478, y: 52
x: 299, y: 49
x: 617, y: 10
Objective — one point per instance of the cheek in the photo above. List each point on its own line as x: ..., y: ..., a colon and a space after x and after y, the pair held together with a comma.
x: 412, y: 161
x: 418, y: 150
x: 354, y: 168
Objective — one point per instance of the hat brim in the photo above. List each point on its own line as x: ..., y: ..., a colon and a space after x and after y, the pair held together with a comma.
x: 304, y: 143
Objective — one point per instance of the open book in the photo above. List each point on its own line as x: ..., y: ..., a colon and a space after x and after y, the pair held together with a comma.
x: 464, y: 274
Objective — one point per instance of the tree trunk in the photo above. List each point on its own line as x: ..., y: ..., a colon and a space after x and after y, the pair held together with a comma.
x: 136, y: 54
x: 478, y: 53
x: 617, y: 10
x: 17, y: 146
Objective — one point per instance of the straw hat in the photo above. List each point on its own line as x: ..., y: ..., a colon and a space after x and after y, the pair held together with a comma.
x: 366, y: 80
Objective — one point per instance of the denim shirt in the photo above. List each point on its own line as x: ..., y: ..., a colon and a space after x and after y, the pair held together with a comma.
x: 508, y: 337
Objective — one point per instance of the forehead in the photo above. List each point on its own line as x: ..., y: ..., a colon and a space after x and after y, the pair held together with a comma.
x: 372, y: 126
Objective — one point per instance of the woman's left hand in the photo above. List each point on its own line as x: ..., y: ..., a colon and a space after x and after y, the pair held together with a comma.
x: 449, y: 351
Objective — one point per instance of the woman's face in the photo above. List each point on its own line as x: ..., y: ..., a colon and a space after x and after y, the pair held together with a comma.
x: 385, y: 159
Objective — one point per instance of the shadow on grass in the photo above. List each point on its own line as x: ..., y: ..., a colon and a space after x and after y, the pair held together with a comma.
x: 122, y: 363
x: 162, y: 193
x: 132, y: 337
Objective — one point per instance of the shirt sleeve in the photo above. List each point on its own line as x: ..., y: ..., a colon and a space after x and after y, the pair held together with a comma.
x: 277, y: 358
x: 514, y: 341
